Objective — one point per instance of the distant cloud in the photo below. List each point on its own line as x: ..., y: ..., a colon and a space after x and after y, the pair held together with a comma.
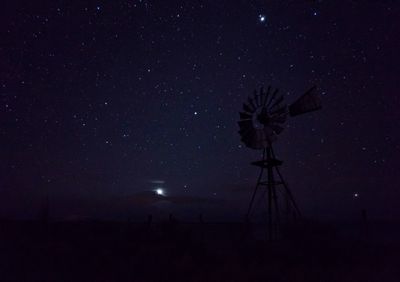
x: 157, y: 181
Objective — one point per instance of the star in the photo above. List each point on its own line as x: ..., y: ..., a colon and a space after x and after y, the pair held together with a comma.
x: 262, y: 18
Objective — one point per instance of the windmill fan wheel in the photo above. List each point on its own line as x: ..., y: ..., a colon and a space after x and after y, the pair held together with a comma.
x: 262, y: 118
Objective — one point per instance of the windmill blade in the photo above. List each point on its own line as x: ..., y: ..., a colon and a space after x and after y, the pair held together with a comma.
x: 251, y: 141
x: 266, y: 96
x: 262, y: 96
x: 277, y: 102
x: 250, y: 102
x: 268, y: 131
x: 261, y: 138
x: 247, y: 108
x: 244, y: 115
x: 272, y: 97
x: 246, y: 134
x: 245, y: 131
x: 254, y: 145
x: 277, y: 128
x: 255, y: 139
x: 257, y: 100
x: 271, y: 136
x: 245, y: 124
x: 259, y: 135
x: 308, y: 102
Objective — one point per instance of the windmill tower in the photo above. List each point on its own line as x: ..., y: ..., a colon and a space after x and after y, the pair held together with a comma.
x: 261, y: 121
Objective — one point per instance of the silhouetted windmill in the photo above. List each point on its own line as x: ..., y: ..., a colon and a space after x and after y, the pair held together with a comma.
x: 261, y: 121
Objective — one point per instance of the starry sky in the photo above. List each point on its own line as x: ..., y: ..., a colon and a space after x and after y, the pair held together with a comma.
x: 102, y: 102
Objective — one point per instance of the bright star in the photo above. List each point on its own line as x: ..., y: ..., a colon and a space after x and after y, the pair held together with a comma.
x: 160, y: 192
x: 262, y: 18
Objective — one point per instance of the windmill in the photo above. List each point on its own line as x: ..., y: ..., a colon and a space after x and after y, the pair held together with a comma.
x: 261, y: 121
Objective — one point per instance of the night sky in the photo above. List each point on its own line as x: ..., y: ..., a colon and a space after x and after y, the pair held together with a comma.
x: 102, y: 102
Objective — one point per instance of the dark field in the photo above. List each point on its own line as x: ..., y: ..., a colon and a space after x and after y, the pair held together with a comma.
x: 110, y: 251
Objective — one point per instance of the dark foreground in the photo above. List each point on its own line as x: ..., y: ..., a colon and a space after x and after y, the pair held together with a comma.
x: 103, y: 251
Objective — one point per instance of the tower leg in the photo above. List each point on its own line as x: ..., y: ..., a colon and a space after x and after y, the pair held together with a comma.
x: 276, y: 211
x: 270, y: 187
x: 255, y: 190
x: 288, y: 194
